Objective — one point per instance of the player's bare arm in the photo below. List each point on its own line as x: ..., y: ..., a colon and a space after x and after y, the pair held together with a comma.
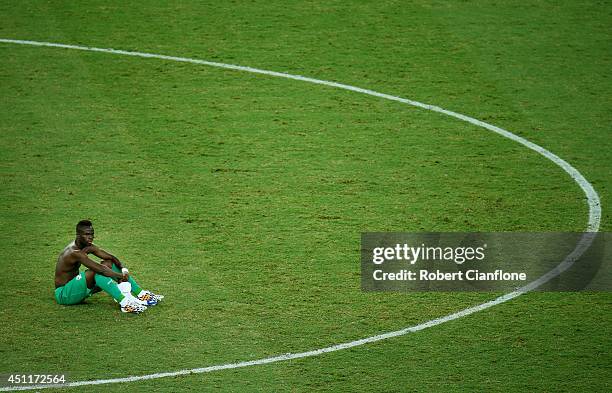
x: 99, y: 268
x: 102, y: 254
x: 69, y: 262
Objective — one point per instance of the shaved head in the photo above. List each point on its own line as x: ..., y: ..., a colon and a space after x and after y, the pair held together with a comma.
x: 80, y: 227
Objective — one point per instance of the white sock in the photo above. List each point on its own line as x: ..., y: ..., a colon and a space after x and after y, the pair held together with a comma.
x: 125, y: 301
x: 125, y: 288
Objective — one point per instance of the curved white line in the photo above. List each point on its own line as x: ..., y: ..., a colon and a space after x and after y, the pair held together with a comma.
x: 584, y: 243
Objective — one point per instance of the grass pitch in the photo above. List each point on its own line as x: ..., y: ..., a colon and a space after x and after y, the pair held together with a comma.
x: 242, y: 197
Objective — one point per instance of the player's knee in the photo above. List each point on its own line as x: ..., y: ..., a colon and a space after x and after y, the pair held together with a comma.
x: 90, y: 277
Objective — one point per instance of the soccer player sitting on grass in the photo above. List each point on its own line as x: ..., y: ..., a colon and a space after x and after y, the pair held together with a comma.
x: 72, y: 286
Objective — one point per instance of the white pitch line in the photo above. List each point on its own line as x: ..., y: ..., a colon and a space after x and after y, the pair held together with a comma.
x: 584, y: 243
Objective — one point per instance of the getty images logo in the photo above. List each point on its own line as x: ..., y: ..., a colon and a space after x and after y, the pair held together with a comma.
x: 422, y: 252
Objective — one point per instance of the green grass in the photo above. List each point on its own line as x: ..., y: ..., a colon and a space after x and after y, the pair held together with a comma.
x: 242, y: 197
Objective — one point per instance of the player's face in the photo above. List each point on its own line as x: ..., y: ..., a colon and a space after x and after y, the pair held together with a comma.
x: 85, y: 237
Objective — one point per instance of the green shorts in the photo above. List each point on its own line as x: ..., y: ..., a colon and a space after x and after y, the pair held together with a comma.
x: 75, y: 291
